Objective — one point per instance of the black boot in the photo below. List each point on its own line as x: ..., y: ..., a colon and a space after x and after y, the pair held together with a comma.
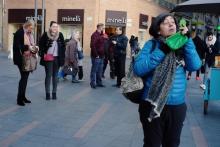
x: 20, y: 100
x: 25, y: 100
x: 47, y: 96
x: 54, y: 96
x: 80, y: 73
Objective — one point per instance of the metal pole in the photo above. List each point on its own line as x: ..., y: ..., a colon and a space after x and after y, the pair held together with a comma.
x: 3, y: 12
x: 42, y: 17
x: 35, y: 22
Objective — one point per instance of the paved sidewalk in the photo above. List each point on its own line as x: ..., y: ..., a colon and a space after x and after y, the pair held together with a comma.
x: 83, y: 117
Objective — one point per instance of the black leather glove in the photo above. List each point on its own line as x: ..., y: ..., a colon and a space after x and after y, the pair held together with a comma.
x: 49, y: 43
x: 188, y: 34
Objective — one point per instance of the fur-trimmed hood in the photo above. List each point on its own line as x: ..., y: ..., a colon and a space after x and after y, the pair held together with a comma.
x: 52, y: 37
x: 212, y: 42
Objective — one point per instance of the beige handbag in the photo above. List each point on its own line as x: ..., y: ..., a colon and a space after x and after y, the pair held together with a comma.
x: 29, y: 63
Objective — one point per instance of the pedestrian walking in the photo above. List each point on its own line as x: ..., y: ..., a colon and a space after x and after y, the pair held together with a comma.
x: 106, y: 48
x: 52, y: 53
x: 22, y: 43
x: 120, y: 43
x: 71, y: 55
x: 211, y: 51
x: 80, y: 61
x: 134, y: 45
x: 97, y: 57
x: 111, y: 59
x: 163, y: 109
x: 200, y: 48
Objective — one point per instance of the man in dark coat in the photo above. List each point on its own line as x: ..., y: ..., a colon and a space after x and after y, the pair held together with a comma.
x: 120, y: 42
x: 97, y: 56
x: 23, y: 39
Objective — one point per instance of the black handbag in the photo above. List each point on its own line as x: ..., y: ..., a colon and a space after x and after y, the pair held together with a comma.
x: 69, y: 70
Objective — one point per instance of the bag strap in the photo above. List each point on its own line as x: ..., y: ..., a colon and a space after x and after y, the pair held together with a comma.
x: 151, y: 50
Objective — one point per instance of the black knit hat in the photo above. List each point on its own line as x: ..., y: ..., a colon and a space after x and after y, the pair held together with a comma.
x: 155, y: 24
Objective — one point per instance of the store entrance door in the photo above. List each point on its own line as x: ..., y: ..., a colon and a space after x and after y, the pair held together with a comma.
x: 111, y: 30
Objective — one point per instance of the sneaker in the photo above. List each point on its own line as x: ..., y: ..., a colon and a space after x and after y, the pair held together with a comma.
x: 93, y: 86
x: 75, y: 81
x: 203, y: 86
x: 198, y: 78
x: 81, y: 80
x: 188, y: 77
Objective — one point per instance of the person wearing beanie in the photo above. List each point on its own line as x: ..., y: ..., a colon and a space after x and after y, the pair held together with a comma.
x: 163, y: 109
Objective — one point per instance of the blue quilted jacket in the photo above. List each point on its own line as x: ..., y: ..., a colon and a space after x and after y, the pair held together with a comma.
x: 148, y: 60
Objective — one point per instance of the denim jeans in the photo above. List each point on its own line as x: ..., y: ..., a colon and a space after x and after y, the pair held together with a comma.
x: 96, y: 71
x: 51, y: 70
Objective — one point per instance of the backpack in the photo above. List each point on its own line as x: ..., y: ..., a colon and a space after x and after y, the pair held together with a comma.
x: 132, y: 86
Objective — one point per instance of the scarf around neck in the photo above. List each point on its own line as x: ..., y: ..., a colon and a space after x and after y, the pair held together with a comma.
x: 211, y: 42
x: 54, y: 36
x: 161, y: 83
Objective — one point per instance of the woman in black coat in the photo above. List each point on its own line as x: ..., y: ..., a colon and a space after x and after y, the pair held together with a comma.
x: 52, y: 42
x: 23, y: 39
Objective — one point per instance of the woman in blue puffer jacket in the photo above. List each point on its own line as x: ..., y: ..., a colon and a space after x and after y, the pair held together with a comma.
x: 163, y: 109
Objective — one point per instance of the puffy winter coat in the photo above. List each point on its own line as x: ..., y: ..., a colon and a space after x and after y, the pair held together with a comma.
x: 148, y: 60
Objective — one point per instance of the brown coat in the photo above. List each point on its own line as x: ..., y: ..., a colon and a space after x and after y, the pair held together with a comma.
x: 71, y: 53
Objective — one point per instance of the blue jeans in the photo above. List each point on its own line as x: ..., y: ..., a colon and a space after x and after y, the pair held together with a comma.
x: 96, y: 71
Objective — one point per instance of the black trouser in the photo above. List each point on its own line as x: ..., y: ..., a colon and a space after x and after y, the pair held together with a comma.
x: 120, y: 68
x: 22, y: 84
x: 197, y: 73
x: 104, y: 66
x: 112, y: 68
x: 80, y: 73
x: 166, y: 129
x: 51, y: 70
